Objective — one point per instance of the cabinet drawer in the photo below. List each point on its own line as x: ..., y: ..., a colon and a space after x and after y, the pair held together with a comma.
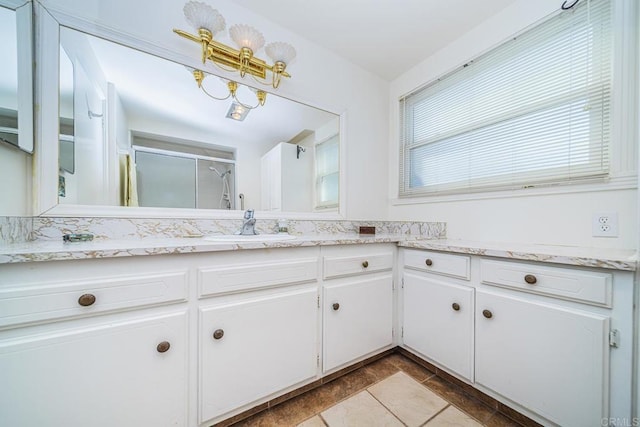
x: 583, y: 286
x: 222, y: 280
x: 48, y: 301
x: 335, y: 266
x: 439, y: 263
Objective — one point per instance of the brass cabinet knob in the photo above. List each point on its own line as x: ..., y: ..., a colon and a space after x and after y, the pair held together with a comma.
x: 86, y: 300
x: 530, y: 279
x: 455, y: 306
x: 429, y: 262
x: 487, y: 314
x: 217, y: 334
x: 365, y: 264
x: 163, y: 347
x: 336, y: 306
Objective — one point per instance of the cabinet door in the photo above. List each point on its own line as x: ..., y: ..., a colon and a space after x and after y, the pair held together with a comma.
x: 357, y: 319
x: 438, y: 322
x: 106, y: 375
x: 252, y: 348
x: 550, y: 359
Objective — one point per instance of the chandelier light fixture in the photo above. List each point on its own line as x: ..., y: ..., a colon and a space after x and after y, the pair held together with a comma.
x: 209, y: 22
x: 232, y: 87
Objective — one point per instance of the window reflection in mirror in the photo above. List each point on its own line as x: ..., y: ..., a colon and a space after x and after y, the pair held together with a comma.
x: 134, y: 96
x: 327, y: 173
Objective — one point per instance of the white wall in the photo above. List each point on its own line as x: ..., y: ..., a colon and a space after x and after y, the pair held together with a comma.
x: 562, y: 219
x: 320, y: 78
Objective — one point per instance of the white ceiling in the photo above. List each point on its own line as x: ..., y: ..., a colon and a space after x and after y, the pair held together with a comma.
x: 387, y: 37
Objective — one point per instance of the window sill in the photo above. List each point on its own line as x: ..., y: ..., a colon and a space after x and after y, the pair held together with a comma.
x: 626, y: 182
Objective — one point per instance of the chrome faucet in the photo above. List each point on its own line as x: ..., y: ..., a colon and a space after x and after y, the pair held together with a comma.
x: 249, y: 224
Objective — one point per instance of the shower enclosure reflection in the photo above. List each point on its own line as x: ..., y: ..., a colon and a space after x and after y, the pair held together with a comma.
x: 172, y: 173
x: 226, y: 196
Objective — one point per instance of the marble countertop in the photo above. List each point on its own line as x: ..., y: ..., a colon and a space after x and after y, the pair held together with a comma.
x: 616, y: 259
x: 44, y: 250
x: 48, y: 250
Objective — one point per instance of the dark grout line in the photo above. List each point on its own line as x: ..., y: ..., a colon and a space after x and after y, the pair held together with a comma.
x: 436, y: 414
x: 385, y: 407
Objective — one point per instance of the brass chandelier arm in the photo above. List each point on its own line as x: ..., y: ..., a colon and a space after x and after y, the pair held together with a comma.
x: 187, y: 35
x: 248, y: 107
x: 232, y: 86
x: 215, y: 97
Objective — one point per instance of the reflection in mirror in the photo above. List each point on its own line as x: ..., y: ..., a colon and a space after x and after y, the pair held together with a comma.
x: 9, y: 77
x: 66, y: 151
x: 145, y: 135
x: 16, y: 83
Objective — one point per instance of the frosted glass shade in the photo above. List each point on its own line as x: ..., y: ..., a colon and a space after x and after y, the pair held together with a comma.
x: 280, y: 51
x: 201, y: 15
x: 246, y: 36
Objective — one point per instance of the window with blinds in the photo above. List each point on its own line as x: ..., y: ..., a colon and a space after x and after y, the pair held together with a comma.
x: 327, y: 173
x: 533, y: 111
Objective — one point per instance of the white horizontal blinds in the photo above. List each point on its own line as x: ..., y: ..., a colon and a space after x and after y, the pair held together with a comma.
x: 535, y: 110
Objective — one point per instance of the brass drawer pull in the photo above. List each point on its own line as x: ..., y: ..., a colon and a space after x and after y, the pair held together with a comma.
x: 217, y: 334
x: 86, y: 300
x: 429, y: 262
x: 365, y: 264
x: 530, y: 279
x: 163, y: 347
x: 455, y: 306
x: 487, y: 314
x: 336, y: 306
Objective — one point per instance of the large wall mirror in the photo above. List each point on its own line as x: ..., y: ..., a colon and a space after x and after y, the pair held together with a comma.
x: 16, y: 78
x: 136, y: 131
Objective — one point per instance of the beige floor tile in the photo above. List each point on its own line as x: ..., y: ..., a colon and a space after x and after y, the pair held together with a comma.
x: 313, y: 422
x: 453, y: 417
x: 411, y: 402
x: 361, y: 410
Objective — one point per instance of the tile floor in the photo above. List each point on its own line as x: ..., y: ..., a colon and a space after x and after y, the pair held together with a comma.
x: 392, y: 391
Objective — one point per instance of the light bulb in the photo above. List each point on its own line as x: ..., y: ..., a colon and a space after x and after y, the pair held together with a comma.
x: 246, y: 36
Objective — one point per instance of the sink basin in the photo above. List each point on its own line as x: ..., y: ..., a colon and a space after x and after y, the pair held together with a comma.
x: 249, y: 238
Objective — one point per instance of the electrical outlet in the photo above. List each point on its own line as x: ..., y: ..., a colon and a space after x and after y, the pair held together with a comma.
x: 605, y: 224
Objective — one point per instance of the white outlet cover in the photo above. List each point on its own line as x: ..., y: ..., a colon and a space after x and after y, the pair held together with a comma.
x: 604, y: 224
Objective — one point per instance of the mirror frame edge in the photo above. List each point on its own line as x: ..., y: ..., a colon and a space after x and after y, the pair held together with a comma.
x: 45, y: 185
x: 24, y: 15
x: 24, y: 10
x: 45, y: 199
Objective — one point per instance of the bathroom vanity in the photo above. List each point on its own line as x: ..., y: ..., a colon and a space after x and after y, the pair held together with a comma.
x: 554, y: 340
x: 186, y: 339
x: 196, y: 338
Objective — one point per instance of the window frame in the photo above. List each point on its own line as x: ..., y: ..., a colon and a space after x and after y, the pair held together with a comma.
x: 623, y: 148
x: 333, y: 204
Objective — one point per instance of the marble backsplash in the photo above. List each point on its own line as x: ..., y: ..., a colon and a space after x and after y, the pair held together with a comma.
x: 15, y: 229
x: 22, y: 229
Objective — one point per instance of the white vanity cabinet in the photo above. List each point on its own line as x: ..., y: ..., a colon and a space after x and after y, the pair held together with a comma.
x: 554, y: 342
x: 553, y: 360
x: 438, y: 309
x: 357, y: 302
x: 252, y: 348
x: 107, y: 349
x: 259, y: 335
